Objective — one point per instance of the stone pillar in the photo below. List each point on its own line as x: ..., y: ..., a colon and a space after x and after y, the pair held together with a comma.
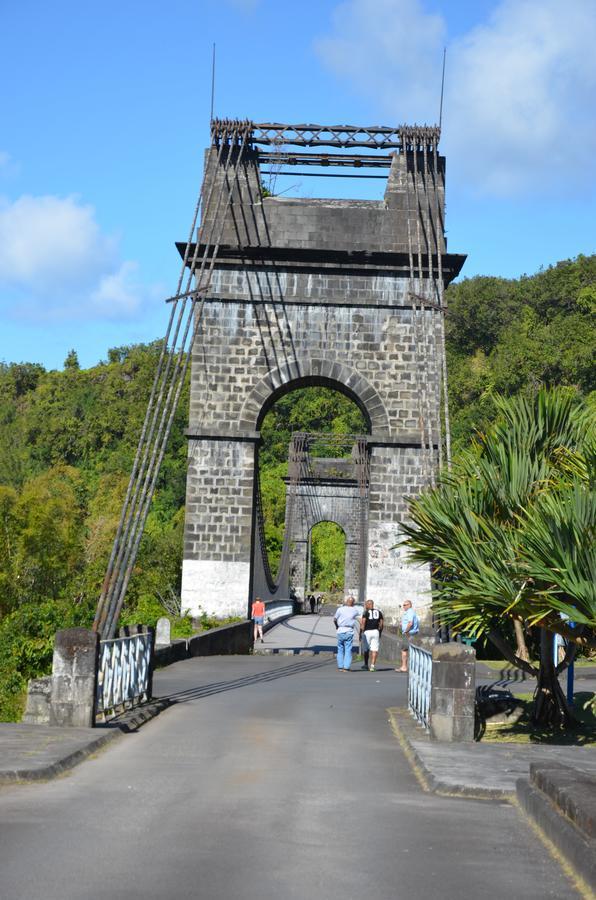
x: 352, y: 576
x: 453, y: 692
x: 163, y: 632
x: 298, y: 568
x: 74, y: 675
x: 39, y: 697
x: 396, y: 475
x: 218, y: 530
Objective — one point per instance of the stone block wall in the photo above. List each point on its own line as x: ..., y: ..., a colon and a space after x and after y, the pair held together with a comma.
x: 218, y: 533
x: 331, y: 224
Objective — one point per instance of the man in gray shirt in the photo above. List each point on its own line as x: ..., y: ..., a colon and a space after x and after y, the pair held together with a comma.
x: 345, y: 619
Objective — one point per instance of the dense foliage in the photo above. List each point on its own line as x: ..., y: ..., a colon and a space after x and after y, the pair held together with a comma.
x: 506, y: 337
x: 510, y: 533
x: 67, y: 440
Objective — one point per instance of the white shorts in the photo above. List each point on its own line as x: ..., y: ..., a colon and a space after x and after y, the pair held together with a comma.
x: 370, y: 641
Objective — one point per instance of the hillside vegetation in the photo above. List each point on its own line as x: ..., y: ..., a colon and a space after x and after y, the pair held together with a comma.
x: 67, y: 441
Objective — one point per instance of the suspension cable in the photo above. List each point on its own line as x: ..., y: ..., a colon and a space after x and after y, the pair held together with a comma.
x: 162, y: 410
x: 178, y: 378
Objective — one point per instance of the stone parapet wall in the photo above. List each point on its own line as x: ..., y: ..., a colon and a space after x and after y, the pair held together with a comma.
x: 355, y: 225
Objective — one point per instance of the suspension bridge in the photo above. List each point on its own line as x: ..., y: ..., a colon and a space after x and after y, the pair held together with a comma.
x: 270, y: 776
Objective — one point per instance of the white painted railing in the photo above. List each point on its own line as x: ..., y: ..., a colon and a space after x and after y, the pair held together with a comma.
x: 124, y: 674
x: 420, y: 666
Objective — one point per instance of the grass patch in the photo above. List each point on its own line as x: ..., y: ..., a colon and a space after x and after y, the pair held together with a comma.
x: 498, y: 664
x: 525, y: 732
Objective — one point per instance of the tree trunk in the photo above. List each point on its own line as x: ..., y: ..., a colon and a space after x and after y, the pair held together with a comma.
x: 550, y: 706
x: 522, y: 649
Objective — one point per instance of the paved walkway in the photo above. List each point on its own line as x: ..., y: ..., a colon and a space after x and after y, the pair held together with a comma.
x: 307, y: 634
x: 270, y: 777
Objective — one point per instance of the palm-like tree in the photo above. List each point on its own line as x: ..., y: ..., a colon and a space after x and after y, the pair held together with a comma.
x: 510, y: 535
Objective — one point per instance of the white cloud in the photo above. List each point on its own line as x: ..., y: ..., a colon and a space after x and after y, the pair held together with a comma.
x: 117, y: 291
x: 520, y: 87
x: 55, y: 262
x: 381, y: 46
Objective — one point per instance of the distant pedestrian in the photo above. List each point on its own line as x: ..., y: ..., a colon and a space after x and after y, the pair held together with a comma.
x: 311, y: 600
x: 410, y: 626
x: 371, y: 628
x: 344, y: 619
x: 258, y: 617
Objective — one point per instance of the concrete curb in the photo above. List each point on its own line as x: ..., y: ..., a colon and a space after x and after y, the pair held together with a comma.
x: 571, y: 843
x: 132, y: 720
x: 425, y: 777
x: 61, y: 765
x: 111, y: 731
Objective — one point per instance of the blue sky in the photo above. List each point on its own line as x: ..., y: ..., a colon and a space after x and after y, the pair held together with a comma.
x: 105, y: 115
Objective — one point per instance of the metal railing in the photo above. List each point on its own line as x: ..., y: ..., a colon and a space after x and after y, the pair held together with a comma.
x: 420, y: 666
x: 124, y: 674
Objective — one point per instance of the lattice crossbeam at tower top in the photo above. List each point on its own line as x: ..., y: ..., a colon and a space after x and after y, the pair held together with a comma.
x: 379, y: 137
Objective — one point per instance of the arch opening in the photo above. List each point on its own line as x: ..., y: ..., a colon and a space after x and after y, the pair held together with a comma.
x: 323, y: 409
x: 313, y: 383
x: 326, y: 560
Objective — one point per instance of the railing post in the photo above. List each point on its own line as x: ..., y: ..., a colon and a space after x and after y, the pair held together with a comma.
x: 452, y: 702
x: 151, y: 664
x: 74, y: 673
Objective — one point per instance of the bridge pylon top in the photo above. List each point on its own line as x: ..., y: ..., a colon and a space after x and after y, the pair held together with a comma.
x: 378, y: 137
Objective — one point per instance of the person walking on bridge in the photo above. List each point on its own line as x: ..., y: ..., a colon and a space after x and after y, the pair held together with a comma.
x: 371, y: 627
x: 410, y: 626
x: 258, y: 617
x: 344, y: 619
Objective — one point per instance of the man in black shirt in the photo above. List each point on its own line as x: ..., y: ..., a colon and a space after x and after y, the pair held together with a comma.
x: 371, y: 626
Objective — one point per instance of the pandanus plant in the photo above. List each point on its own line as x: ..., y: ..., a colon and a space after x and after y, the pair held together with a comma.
x: 510, y: 536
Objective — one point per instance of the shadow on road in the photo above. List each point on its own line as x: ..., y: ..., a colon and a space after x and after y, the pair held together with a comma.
x: 219, y: 687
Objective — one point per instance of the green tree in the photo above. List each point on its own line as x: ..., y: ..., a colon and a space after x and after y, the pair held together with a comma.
x: 328, y: 549
x: 72, y: 360
x: 510, y: 534
x: 50, y: 547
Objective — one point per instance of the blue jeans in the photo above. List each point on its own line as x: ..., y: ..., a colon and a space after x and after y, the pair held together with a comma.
x: 344, y: 649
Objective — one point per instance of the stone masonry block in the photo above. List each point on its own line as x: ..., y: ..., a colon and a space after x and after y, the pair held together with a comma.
x: 453, y: 675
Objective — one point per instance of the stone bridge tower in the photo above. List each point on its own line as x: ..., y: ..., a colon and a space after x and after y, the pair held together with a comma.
x: 345, y: 294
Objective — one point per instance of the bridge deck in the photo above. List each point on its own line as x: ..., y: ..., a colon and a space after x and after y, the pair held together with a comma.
x: 308, y: 634
x: 271, y: 777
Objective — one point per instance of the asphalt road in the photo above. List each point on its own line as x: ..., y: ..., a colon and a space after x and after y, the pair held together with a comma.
x: 272, y: 777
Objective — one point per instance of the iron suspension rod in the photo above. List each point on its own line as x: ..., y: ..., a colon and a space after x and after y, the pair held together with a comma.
x: 433, y: 338
x: 152, y: 415
x: 138, y: 466
x: 176, y: 384
x: 423, y: 340
x: 439, y: 234
x: 415, y: 328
